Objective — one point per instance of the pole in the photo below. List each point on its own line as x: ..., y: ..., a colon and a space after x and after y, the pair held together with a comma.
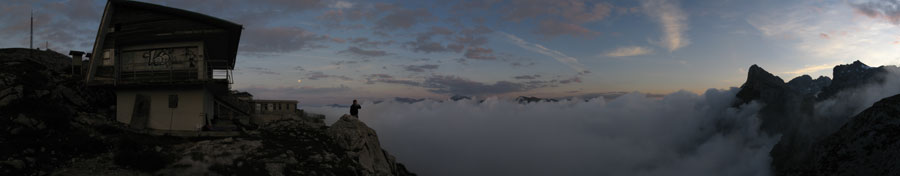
x: 31, y: 37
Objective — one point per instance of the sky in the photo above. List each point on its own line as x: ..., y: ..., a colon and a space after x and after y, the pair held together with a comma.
x: 331, y: 51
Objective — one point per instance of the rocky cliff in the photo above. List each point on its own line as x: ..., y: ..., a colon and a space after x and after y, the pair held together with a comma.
x: 51, y: 124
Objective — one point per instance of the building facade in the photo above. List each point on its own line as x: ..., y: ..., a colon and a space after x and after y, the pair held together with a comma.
x: 269, y: 110
x: 170, y: 68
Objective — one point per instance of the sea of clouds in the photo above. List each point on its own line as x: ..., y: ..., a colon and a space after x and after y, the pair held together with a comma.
x: 680, y: 134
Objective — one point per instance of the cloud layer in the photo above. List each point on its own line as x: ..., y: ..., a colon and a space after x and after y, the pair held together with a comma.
x: 680, y: 134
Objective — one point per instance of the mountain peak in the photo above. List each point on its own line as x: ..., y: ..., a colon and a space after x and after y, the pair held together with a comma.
x: 853, y: 75
x: 757, y: 75
x: 858, y: 63
x: 755, y: 68
x: 801, y: 78
x: 806, y: 85
x: 761, y: 84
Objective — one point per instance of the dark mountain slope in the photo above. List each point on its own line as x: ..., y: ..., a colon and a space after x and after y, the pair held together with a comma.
x: 866, y: 145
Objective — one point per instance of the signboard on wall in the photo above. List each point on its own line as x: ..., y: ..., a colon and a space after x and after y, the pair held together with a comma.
x: 160, y: 59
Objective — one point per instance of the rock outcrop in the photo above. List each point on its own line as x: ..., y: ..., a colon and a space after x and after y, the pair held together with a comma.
x: 362, y: 144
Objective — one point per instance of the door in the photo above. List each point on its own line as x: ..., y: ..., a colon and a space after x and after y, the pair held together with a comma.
x: 141, y: 113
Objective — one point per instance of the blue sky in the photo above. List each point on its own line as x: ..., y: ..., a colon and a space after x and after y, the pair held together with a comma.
x: 330, y: 51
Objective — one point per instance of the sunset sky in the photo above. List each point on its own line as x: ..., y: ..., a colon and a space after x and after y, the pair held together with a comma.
x: 329, y: 51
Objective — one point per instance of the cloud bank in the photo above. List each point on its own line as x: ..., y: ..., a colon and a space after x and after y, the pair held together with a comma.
x: 680, y: 134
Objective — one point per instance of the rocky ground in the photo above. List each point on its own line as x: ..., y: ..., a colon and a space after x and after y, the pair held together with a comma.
x: 52, y: 125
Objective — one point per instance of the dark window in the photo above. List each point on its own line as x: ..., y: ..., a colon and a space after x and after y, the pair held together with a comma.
x: 173, y: 101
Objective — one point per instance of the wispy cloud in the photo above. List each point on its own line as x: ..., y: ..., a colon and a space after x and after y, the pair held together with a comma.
x: 629, y: 51
x: 810, y: 69
x: 558, y: 56
x: 673, y: 21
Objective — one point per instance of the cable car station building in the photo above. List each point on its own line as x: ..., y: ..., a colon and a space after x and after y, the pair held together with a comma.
x: 170, y: 68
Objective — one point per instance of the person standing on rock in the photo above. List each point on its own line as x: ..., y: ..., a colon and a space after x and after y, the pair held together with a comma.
x: 354, y: 109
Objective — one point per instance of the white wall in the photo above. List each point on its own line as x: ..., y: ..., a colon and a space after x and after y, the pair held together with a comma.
x: 192, y: 104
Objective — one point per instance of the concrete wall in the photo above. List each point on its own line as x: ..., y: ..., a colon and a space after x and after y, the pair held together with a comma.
x: 193, y: 104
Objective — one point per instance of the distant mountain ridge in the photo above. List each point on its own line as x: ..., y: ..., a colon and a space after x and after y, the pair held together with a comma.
x: 806, y: 85
x: 854, y: 75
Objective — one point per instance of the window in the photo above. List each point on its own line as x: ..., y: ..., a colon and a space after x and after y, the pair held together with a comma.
x: 220, y: 74
x: 173, y: 101
x: 108, y: 57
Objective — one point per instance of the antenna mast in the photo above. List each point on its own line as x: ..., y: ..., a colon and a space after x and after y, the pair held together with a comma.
x: 31, y: 37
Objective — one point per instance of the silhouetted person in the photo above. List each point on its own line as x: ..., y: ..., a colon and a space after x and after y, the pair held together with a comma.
x: 354, y: 109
